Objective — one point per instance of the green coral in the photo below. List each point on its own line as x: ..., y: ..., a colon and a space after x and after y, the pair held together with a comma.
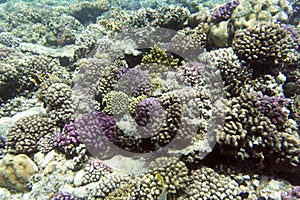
x: 115, y: 102
x: 157, y: 62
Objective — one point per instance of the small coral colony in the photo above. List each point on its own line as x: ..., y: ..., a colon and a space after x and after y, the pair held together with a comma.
x: 149, y: 100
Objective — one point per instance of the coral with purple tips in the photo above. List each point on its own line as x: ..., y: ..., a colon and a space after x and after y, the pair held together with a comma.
x: 69, y: 136
x: 63, y: 196
x: 96, y: 128
x: 291, y: 195
x: 147, y: 110
x: 273, y: 107
x: 224, y: 11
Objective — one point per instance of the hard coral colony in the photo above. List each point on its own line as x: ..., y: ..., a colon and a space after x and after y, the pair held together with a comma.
x: 147, y: 100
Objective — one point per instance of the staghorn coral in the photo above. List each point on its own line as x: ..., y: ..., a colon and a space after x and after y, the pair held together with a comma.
x: 16, y: 171
x: 265, y: 44
x: 26, y: 132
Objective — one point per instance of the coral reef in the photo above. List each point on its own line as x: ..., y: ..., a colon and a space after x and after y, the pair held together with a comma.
x: 234, y: 73
x: 57, y: 98
x: 93, y: 171
x: 134, y: 82
x: 8, y: 82
x: 246, y: 15
x: 149, y: 99
x: 87, y: 12
x: 248, y: 134
x: 63, y: 196
x: 189, y: 42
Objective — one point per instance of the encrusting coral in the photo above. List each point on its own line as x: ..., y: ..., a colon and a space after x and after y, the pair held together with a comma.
x: 16, y: 171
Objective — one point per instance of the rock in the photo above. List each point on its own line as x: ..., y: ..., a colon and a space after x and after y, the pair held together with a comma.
x: 66, y: 55
x: 15, y: 172
x: 79, y: 178
x: 218, y: 35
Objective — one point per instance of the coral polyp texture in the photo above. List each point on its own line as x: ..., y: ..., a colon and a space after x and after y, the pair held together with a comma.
x: 294, y: 194
x: 149, y: 100
x: 224, y: 12
x: 26, y: 132
x: 265, y: 44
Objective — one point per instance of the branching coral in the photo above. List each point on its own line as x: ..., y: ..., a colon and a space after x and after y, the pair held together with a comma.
x: 265, y: 44
x: 26, y: 132
x: 224, y: 12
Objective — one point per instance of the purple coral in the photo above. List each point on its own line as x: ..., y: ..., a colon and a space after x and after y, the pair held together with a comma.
x: 291, y: 195
x: 147, y: 110
x: 134, y: 82
x: 273, y: 107
x: 224, y: 12
x: 69, y: 136
x: 100, y: 164
x: 96, y: 129
x: 63, y: 196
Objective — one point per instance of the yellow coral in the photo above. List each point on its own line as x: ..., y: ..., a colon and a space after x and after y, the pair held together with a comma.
x: 15, y: 172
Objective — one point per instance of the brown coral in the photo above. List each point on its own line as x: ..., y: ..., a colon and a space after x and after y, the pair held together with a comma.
x: 264, y: 44
x: 15, y: 172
